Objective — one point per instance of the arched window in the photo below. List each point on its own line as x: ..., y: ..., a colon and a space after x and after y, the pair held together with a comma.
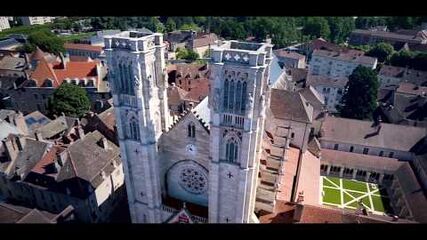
x: 48, y: 83
x: 191, y: 130
x: 121, y: 77
x: 237, y: 106
x: 231, y: 150
x: 129, y: 80
x: 244, y: 86
x: 133, y: 129
x: 231, y: 96
x: 226, y: 83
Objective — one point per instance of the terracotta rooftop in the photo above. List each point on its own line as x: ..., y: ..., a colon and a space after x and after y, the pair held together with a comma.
x: 56, y: 72
x: 199, y: 91
x: 204, y: 40
x: 288, y: 54
x: 391, y: 71
x: 412, y: 89
x: 349, y: 55
x: 84, y: 47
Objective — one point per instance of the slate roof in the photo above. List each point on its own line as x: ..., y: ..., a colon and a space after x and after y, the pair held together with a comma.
x: 202, y: 112
x: 89, y: 159
x: 361, y: 161
x: 275, y: 70
x: 390, y: 136
x: 12, y: 63
x: 10, y: 213
x: 56, y: 126
x: 36, y: 120
x: 290, y: 105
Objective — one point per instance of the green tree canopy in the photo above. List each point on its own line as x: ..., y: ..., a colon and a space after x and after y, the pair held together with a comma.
x: 382, y: 51
x: 46, y: 41
x: 69, y: 99
x: 317, y: 27
x: 402, y: 58
x: 190, y: 55
x: 359, y: 100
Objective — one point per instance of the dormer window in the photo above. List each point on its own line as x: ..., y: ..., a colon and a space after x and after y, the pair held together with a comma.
x: 48, y: 83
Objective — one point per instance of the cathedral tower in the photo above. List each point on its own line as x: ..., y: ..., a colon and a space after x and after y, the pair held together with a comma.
x: 138, y: 82
x: 238, y: 98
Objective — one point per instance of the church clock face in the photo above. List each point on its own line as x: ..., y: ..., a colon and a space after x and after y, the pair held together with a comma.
x: 191, y: 149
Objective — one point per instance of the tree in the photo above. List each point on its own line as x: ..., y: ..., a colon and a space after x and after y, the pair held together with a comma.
x: 69, y: 99
x: 47, y: 42
x: 419, y: 62
x: 340, y: 27
x: 402, y: 58
x: 359, y: 100
x: 317, y: 27
x: 190, y: 55
x: 170, y: 25
x: 382, y: 51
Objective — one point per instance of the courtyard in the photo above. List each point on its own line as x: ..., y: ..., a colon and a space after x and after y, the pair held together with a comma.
x: 346, y: 193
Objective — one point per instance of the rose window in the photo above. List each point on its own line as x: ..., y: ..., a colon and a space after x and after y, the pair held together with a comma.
x: 193, y: 180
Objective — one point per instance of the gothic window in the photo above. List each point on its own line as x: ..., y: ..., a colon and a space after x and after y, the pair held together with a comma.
x: 231, y: 96
x: 226, y: 83
x: 193, y: 180
x: 191, y: 130
x: 231, y: 150
x: 238, y: 97
x: 133, y: 129
x: 130, y: 81
x: 243, y: 104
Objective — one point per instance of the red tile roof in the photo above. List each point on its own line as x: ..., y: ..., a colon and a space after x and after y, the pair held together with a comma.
x: 42, y: 72
x: 199, y: 91
x: 76, y: 70
x: 58, y: 74
x: 84, y: 47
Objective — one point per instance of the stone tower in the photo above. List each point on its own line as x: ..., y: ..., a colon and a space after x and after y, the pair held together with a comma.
x: 138, y: 82
x: 238, y: 98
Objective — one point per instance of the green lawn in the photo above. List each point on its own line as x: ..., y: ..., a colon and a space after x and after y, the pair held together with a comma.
x: 332, y: 196
x: 354, y: 185
x: 353, y: 189
x: 348, y: 198
x: 71, y: 38
x: 335, y: 180
x: 354, y: 194
x: 327, y: 183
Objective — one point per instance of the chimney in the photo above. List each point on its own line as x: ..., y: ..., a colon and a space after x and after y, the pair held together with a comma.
x: 11, y: 149
x: 19, y: 142
x: 60, y: 158
x: 79, y: 131
x: 63, y: 62
x: 38, y: 135
x: 298, y: 212
x: 103, y: 142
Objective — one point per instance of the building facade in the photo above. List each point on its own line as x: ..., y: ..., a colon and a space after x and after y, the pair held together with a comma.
x: 28, y: 21
x: 4, y: 23
x: 206, y: 159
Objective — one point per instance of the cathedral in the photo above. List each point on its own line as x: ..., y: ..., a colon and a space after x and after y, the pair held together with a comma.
x: 203, y: 167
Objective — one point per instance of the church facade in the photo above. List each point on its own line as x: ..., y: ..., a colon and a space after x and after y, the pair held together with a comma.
x: 203, y: 166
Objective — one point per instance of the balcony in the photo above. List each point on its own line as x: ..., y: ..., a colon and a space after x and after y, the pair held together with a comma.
x: 231, y: 120
x: 128, y: 100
